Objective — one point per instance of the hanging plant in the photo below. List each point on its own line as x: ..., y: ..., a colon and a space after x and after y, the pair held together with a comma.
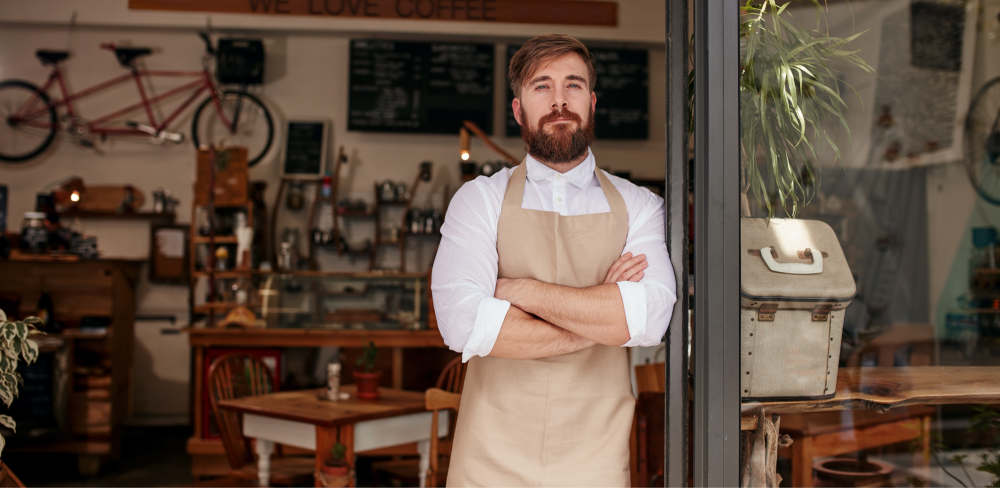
x: 790, y: 104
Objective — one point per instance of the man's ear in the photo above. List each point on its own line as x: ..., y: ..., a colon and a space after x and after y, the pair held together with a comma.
x: 516, y: 105
x: 593, y: 101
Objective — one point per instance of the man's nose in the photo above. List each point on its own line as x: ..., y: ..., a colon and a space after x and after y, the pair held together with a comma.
x: 559, y: 99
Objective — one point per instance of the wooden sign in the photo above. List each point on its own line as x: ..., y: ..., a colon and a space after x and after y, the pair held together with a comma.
x: 564, y: 12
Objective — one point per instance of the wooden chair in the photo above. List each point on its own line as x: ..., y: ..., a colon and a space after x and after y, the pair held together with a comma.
x: 646, y: 465
x: 237, y: 376
x: 445, y: 396
x: 7, y: 477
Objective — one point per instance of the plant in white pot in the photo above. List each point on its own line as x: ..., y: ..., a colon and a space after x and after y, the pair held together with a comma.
x: 16, y: 345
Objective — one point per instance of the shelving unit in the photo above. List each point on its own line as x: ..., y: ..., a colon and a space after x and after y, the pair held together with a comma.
x: 212, y: 241
x: 95, y: 372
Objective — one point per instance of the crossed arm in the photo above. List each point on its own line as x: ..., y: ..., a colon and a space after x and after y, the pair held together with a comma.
x: 548, y: 320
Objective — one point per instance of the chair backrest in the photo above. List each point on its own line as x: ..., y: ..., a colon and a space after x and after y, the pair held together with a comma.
x: 651, y: 378
x: 453, y: 376
x: 650, y: 418
x: 436, y: 400
x: 236, y: 376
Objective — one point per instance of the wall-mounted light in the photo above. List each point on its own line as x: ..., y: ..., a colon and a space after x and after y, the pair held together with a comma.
x: 75, y: 196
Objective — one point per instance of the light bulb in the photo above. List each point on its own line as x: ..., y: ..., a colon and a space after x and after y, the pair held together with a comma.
x: 75, y: 196
x: 465, y: 155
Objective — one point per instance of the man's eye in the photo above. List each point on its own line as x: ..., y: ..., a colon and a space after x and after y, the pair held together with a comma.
x: 541, y: 87
x: 574, y: 85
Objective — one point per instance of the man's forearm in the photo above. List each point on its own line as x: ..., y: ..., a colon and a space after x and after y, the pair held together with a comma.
x: 524, y: 336
x: 595, y: 312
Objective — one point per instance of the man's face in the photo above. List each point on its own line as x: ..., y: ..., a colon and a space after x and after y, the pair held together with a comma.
x: 556, y: 110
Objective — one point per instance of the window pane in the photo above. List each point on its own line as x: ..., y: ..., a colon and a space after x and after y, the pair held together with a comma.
x: 870, y: 273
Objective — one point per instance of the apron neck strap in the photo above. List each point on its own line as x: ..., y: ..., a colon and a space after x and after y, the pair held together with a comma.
x: 513, y: 197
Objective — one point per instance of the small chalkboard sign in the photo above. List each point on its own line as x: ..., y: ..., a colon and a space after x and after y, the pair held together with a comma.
x: 305, y: 148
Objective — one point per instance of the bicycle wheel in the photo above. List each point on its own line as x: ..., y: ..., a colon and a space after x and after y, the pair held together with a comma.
x: 982, y: 142
x: 254, y: 128
x: 23, y: 138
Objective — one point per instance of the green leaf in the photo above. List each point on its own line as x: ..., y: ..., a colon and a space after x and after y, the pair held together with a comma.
x: 31, y: 355
x: 8, y: 422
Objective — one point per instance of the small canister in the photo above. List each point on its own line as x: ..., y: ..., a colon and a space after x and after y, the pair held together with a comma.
x: 387, y: 191
x: 333, y: 382
x: 34, y: 234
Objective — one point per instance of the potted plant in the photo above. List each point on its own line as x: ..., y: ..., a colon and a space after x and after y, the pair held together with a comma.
x: 335, y: 471
x: 15, y: 345
x: 367, y: 380
x: 790, y: 104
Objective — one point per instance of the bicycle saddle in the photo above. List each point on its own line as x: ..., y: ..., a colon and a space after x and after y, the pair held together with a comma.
x: 51, y: 57
x: 126, y: 55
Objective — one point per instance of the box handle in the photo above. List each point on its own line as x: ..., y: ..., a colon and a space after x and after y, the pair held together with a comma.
x: 793, y: 268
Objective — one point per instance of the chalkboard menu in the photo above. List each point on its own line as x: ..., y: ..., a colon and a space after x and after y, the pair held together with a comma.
x: 622, y: 94
x: 422, y: 87
x: 305, y: 148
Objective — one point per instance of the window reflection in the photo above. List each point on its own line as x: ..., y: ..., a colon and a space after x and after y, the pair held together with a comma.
x: 877, y: 122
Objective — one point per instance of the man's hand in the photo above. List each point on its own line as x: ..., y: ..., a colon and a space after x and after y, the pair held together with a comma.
x: 627, y: 268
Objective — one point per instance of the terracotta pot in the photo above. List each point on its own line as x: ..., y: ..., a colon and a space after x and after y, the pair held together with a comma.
x: 337, y: 470
x: 334, y: 476
x: 850, y: 472
x: 367, y: 384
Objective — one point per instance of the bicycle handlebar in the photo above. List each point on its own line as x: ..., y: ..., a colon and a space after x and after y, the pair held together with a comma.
x: 208, y: 43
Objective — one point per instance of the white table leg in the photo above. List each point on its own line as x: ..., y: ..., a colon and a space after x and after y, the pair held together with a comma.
x: 424, y: 448
x: 264, y: 450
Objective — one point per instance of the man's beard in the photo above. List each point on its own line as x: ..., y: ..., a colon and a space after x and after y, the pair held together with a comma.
x: 563, y: 144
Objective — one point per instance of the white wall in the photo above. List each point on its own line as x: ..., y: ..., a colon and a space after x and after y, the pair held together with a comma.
x: 307, y: 62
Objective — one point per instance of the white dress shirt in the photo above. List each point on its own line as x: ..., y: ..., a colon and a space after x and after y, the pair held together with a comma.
x: 465, y: 269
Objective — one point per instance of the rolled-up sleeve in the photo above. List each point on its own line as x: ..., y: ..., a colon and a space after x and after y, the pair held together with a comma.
x: 464, y: 277
x: 650, y: 302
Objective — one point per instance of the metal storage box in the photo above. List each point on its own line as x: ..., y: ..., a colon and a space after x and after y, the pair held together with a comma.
x: 794, y: 286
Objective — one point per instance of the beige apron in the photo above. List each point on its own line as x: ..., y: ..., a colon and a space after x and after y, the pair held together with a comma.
x: 557, y: 421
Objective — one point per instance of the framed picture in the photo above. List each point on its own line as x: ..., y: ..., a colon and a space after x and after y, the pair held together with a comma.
x: 168, y: 254
x: 305, y: 151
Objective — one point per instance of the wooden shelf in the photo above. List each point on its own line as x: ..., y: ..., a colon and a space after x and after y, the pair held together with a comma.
x: 218, y: 239
x: 357, y: 214
x: 119, y: 216
x: 222, y: 275
x: 218, y: 336
x: 345, y: 274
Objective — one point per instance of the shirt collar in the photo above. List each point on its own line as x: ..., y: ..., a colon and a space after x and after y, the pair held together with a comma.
x: 578, y: 176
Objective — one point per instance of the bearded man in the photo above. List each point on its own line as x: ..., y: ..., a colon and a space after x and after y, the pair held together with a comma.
x: 545, y: 273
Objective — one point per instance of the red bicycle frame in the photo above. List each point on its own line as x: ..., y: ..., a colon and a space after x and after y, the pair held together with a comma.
x: 97, y: 126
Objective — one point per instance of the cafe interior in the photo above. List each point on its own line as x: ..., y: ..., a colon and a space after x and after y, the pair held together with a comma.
x: 219, y: 220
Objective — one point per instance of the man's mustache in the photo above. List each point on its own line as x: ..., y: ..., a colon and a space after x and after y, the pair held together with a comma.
x: 564, y: 113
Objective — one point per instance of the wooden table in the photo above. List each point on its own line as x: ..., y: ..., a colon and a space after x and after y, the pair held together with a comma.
x: 207, y: 455
x: 879, y: 389
x: 305, y: 419
x: 884, y: 388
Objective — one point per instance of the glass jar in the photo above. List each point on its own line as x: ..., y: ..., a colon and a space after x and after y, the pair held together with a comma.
x: 34, y: 234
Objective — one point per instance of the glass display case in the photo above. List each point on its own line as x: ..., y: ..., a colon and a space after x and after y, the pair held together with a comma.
x: 317, y: 300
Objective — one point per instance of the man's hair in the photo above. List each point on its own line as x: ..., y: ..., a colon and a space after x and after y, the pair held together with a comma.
x: 541, y: 50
